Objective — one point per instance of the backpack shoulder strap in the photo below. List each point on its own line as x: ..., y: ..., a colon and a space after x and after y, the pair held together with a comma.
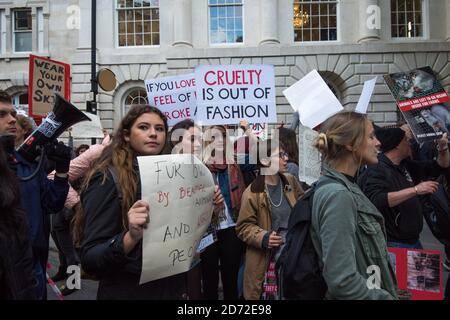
x: 113, y: 172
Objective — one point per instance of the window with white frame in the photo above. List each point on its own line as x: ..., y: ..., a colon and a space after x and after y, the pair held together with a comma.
x: 20, y: 102
x: 40, y: 29
x: 22, y: 30
x: 137, y: 96
x: 226, y: 21
x: 315, y: 20
x: 138, y: 23
x: 407, y: 18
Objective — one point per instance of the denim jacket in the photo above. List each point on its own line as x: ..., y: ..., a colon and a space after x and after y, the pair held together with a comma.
x: 349, y: 236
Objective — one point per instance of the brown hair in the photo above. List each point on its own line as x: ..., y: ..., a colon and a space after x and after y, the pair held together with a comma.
x: 119, y: 155
x: 25, y: 123
x: 344, y: 129
x: 5, y: 97
x: 208, y: 140
x: 290, y: 145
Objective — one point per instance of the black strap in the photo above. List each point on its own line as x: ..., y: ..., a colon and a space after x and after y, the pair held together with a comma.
x: 113, y: 172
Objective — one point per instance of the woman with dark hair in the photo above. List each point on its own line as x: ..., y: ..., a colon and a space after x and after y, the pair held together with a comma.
x: 17, y: 281
x: 289, y: 139
x: 186, y: 138
x: 264, y: 215
x: 225, y: 254
x: 114, y: 218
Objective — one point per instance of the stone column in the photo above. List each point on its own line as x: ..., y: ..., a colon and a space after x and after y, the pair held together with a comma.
x: 370, y: 20
x: 182, y: 23
x: 448, y: 20
x: 269, y: 22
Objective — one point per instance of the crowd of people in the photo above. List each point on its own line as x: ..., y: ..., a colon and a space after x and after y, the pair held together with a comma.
x: 369, y: 197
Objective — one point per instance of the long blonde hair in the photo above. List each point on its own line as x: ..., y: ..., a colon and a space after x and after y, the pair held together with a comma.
x: 343, y: 129
x: 121, y: 157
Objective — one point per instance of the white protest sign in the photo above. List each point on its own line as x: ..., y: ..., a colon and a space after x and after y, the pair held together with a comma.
x: 366, y: 94
x: 228, y: 94
x: 174, y: 96
x: 313, y: 100
x: 309, y: 157
x: 88, y: 129
x: 180, y: 191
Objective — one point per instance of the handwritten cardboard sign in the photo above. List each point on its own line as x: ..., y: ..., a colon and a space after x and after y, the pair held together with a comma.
x: 180, y: 190
x: 313, y: 100
x: 174, y: 96
x: 47, y: 77
x: 227, y: 94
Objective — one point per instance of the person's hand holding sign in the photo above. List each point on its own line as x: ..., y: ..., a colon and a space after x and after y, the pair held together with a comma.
x: 138, y: 218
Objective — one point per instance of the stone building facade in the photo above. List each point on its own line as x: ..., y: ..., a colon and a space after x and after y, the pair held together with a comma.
x: 361, y: 40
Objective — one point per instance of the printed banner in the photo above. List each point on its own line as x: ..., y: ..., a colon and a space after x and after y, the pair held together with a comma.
x: 422, y: 101
x: 228, y: 94
x: 418, y: 271
x: 47, y: 77
x: 180, y: 191
x: 174, y: 96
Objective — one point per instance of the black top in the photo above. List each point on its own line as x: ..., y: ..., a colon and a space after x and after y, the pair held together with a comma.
x: 404, y: 222
x: 102, y: 252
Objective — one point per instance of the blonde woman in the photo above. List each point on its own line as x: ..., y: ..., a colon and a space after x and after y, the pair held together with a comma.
x: 347, y: 230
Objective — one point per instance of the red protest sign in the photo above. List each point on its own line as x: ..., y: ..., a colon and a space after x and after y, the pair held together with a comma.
x: 418, y: 272
x: 46, y: 78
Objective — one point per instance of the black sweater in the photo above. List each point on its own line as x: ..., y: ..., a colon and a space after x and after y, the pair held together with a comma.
x: 404, y: 222
x: 102, y: 252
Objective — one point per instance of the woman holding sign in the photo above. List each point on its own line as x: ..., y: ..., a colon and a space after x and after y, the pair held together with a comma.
x: 220, y: 159
x: 114, y: 218
x: 263, y: 218
x: 186, y: 138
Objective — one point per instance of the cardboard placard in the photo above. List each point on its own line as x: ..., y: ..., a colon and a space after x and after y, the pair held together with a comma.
x: 46, y: 78
x: 180, y: 191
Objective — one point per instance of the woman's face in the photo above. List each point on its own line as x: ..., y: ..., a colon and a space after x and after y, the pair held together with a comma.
x: 278, y: 161
x: 370, y: 147
x: 20, y: 133
x: 147, y: 135
x: 218, y: 141
x: 191, y: 142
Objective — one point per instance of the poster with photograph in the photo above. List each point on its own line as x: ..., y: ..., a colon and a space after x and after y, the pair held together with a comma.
x: 422, y: 101
x: 418, y: 271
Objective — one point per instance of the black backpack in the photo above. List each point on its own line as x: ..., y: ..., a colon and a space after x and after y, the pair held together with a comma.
x: 300, y: 277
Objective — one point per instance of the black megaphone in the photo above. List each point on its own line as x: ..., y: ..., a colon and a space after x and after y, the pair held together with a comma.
x: 63, y: 116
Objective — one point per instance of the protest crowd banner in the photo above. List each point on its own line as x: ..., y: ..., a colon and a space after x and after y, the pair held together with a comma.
x: 47, y: 77
x: 174, y: 96
x: 180, y: 190
x: 227, y: 94
x: 423, y: 102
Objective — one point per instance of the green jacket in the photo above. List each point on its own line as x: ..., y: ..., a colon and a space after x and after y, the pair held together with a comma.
x: 349, y: 236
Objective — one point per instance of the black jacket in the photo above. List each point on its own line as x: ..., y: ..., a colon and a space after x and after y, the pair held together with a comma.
x: 17, y: 281
x: 404, y: 222
x: 102, y: 252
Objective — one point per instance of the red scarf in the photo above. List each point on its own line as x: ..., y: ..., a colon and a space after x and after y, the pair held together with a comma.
x: 236, y: 183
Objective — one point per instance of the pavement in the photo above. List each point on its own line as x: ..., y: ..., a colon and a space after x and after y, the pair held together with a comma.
x: 88, y: 289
